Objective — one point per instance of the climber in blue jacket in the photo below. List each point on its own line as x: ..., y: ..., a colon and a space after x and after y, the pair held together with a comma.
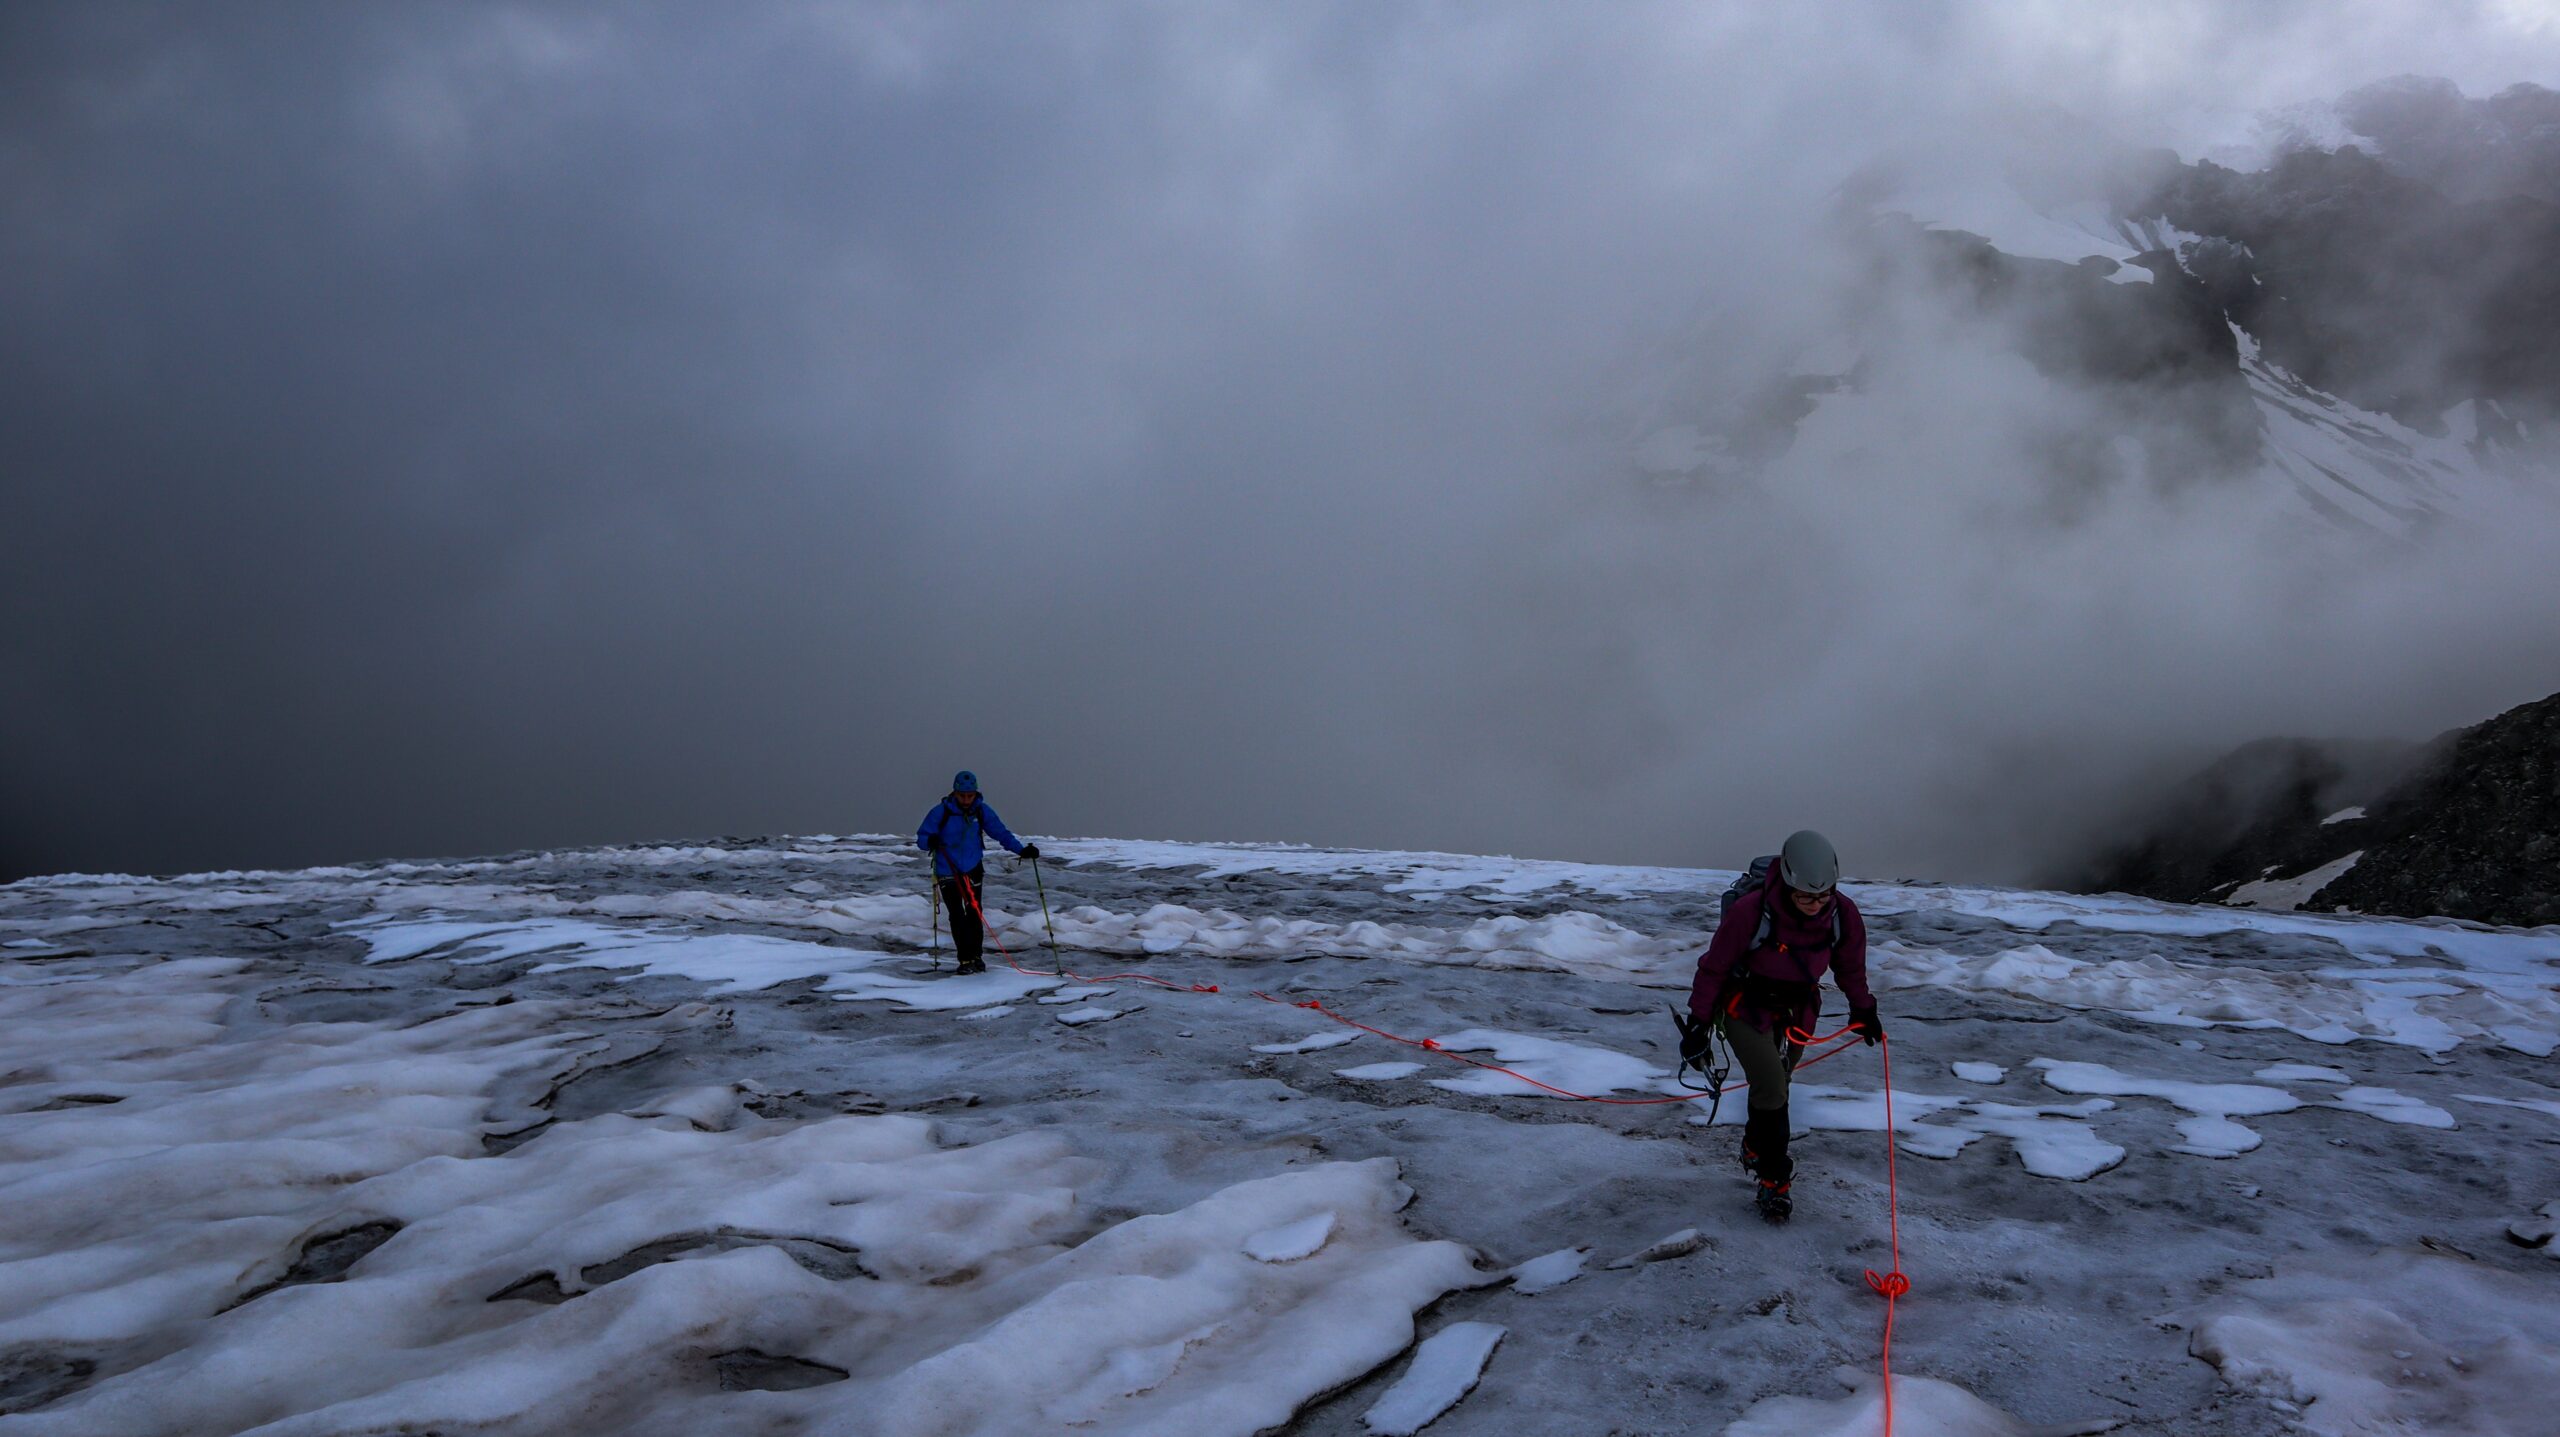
x: 955, y: 833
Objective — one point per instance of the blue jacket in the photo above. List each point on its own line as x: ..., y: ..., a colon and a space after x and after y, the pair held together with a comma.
x: 958, y: 840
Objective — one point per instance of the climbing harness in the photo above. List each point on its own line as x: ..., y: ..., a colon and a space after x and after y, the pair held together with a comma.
x: 1709, y: 1068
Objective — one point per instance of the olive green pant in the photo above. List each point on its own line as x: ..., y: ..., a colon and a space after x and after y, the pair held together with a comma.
x: 1767, y: 1060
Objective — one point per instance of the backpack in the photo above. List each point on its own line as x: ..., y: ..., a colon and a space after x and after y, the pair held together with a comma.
x: 1757, y: 876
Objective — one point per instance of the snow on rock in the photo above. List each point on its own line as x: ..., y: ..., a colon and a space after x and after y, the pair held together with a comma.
x: 2209, y: 1132
x: 1575, y: 1067
x: 1547, y: 1273
x: 1446, y: 1367
x: 2360, y: 469
x: 1312, y: 1043
x: 2396, y: 1341
x: 1979, y: 1072
x: 1091, y: 1013
x: 2295, y: 891
x: 1291, y: 1242
x: 2344, y: 815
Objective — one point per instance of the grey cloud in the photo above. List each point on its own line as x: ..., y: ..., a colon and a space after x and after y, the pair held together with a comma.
x: 437, y: 429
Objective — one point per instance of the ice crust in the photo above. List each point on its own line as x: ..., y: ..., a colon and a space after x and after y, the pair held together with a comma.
x: 2394, y: 1342
x: 2469, y: 983
x: 955, y: 1285
x: 170, y: 1161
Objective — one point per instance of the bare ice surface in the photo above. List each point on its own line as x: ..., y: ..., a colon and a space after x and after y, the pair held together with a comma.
x: 697, y: 1139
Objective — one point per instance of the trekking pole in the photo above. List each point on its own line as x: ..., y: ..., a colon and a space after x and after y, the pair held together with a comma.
x: 933, y: 900
x: 1059, y: 963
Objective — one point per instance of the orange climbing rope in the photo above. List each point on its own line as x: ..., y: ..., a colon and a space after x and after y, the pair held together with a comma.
x: 1890, y: 1285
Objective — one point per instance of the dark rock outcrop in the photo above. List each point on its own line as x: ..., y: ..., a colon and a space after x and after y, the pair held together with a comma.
x: 2374, y: 285
x: 2262, y: 811
x: 2466, y: 826
x: 2475, y: 834
x: 2486, y: 149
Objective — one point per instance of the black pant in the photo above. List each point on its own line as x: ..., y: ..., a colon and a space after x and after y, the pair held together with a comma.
x: 961, y: 896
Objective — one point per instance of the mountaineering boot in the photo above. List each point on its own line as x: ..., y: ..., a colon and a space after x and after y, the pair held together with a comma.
x: 1764, y: 1137
x: 973, y: 965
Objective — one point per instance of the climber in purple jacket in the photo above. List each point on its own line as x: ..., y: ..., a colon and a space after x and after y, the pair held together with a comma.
x: 1760, y: 979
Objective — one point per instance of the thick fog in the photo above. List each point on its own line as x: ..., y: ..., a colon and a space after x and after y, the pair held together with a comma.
x: 448, y: 429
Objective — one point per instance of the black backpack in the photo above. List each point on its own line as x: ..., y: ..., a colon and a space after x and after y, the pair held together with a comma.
x: 1756, y: 876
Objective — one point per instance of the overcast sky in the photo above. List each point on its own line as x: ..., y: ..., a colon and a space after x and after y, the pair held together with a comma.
x: 441, y: 429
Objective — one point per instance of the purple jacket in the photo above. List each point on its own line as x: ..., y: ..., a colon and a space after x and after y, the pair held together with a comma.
x: 1799, y: 951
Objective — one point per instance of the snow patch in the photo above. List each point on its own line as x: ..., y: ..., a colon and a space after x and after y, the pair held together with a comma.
x: 2209, y: 1132
x: 1313, y: 1042
x: 239, y: 1145
x: 2296, y: 891
x: 1547, y: 1273
x: 1378, y: 1072
x: 1446, y: 1367
x: 1922, y: 1407
x: 2396, y: 1342
x: 2391, y: 1107
x: 2051, y: 1142
x: 1576, y: 1067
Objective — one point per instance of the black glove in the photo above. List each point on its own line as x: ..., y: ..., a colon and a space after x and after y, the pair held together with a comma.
x: 1867, y: 1025
x: 1031, y: 851
x: 1697, y: 1041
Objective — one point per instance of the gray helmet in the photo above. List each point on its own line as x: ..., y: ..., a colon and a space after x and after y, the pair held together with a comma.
x: 1808, y: 863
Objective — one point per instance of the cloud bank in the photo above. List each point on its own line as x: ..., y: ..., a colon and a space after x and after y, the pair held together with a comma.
x: 460, y: 428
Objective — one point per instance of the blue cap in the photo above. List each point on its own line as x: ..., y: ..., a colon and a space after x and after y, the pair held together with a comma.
x: 964, y: 782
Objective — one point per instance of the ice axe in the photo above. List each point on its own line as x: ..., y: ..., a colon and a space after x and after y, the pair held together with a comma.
x: 1701, y: 1033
